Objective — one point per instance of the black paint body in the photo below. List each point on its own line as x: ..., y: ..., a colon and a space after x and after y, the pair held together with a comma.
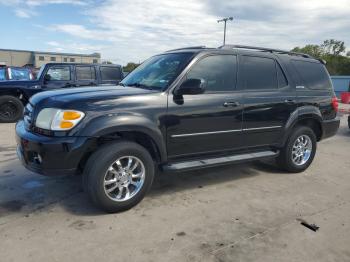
x: 259, y: 119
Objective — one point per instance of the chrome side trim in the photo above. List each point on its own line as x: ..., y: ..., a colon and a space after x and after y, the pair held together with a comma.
x: 226, y: 131
x: 208, y: 133
x: 264, y: 127
x: 300, y: 87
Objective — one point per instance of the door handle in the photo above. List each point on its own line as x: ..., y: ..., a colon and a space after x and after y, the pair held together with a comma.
x: 289, y: 101
x: 232, y: 104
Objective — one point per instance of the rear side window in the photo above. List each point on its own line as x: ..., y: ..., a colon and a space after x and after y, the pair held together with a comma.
x: 313, y: 75
x: 282, y: 80
x: 218, y: 71
x: 110, y: 73
x: 85, y: 73
x: 259, y: 73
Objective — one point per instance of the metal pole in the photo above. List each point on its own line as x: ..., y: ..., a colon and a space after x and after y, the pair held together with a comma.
x: 225, y: 32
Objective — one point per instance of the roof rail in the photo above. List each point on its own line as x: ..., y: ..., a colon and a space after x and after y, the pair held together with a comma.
x: 271, y: 50
x: 190, y: 47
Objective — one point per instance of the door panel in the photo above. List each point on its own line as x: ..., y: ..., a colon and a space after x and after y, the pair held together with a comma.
x: 208, y: 122
x: 202, y: 124
x: 269, y: 100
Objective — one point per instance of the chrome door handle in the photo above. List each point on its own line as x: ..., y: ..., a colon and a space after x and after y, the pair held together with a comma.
x: 233, y: 104
x: 289, y: 101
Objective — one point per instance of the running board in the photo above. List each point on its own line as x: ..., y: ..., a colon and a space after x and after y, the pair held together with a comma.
x: 202, y: 163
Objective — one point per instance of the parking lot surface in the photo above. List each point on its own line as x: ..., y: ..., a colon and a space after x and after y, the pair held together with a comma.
x: 245, y: 212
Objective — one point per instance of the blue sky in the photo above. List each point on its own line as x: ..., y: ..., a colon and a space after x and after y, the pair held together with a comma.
x: 133, y: 30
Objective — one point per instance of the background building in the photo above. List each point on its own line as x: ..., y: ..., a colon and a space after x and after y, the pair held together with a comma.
x: 37, y: 59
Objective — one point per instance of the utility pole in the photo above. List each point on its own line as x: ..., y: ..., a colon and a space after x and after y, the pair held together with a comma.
x: 225, y: 21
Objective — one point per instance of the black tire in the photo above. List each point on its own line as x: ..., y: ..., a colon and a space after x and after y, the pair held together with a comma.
x: 285, y: 160
x: 97, y: 166
x: 349, y: 121
x: 11, y: 109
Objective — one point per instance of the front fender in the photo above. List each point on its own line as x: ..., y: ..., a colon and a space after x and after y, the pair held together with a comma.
x: 113, y: 123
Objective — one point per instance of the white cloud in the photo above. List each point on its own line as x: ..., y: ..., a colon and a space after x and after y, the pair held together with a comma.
x: 137, y: 29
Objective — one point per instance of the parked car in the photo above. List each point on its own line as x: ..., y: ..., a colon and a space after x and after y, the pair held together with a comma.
x: 15, y: 73
x: 15, y: 94
x: 184, y: 109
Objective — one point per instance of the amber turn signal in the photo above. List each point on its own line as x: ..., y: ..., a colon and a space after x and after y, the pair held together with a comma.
x: 66, y: 124
x: 71, y: 115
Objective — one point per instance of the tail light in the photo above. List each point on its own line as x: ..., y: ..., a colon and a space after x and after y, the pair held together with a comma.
x: 335, y: 103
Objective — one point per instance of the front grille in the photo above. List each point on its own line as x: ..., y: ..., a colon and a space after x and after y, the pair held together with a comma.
x: 28, y: 116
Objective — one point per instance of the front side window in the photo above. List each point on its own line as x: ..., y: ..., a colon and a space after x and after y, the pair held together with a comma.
x: 2, y: 73
x: 217, y: 71
x: 59, y: 73
x: 259, y: 73
x: 85, y: 73
x: 158, y: 72
x: 110, y: 73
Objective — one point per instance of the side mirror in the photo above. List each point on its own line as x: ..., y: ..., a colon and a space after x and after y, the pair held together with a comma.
x: 47, y: 78
x: 191, y: 87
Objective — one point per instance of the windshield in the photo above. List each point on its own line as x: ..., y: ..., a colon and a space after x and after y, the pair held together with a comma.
x: 158, y: 72
x: 2, y: 74
x: 40, y: 72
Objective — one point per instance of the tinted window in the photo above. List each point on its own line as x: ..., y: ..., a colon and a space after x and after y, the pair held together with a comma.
x: 282, y: 80
x: 313, y: 75
x: 218, y: 72
x: 259, y: 72
x: 59, y: 73
x: 110, y: 73
x: 85, y: 73
x: 2, y: 74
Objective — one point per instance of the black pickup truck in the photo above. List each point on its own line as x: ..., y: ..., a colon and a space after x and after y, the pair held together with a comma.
x: 180, y: 110
x: 15, y: 94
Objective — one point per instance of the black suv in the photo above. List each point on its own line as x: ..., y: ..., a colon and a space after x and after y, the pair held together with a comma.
x: 184, y: 109
x: 15, y: 94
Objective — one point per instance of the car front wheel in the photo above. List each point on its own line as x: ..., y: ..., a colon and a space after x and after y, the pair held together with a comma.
x: 118, y: 176
x: 11, y: 109
x: 299, y: 151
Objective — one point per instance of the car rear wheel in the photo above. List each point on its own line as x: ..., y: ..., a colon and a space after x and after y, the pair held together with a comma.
x: 118, y: 176
x: 11, y: 109
x: 299, y: 151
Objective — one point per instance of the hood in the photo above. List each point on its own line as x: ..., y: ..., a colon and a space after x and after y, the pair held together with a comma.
x: 73, y: 96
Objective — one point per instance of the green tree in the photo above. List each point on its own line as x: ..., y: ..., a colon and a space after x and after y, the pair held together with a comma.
x: 331, y: 51
x: 130, y: 67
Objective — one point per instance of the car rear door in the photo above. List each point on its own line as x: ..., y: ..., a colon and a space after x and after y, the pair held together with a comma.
x: 269, y: 99
x: 210, y: 122
x: 85, y: 75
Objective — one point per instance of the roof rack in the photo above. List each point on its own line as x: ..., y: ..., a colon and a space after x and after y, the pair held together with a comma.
x: 190, y: 47
x: 263, y: 49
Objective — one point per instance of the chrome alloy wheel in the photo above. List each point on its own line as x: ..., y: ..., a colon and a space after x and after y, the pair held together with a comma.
x: 302, y: 149
x: 124, y: 178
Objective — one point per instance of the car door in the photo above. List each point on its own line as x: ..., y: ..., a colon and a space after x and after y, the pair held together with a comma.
x: 269, y: 99
x: 209, y: 122
x: 85, y: 76
x: 58, y: 76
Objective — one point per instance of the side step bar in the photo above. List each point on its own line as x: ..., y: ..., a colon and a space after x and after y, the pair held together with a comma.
x: 202, y: 163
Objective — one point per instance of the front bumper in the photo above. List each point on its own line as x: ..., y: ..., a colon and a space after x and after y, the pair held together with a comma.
x: 330, y: 127
x: 51, y: 155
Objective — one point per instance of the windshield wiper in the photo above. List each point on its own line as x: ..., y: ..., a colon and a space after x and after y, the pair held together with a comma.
x: 140, y: 86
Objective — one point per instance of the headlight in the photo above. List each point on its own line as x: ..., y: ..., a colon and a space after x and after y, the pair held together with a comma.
x: 58, y: 119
